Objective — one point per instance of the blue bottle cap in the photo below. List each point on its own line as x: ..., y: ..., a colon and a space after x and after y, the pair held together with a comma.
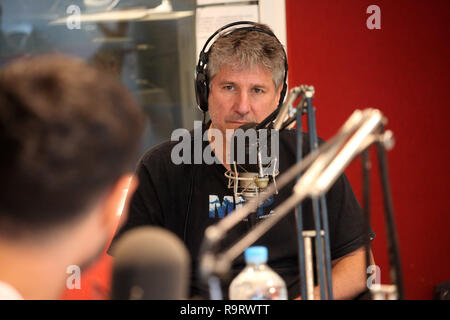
x: 256, y: 254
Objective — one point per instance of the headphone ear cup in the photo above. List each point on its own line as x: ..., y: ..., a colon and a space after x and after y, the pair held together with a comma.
x: 202, y: 91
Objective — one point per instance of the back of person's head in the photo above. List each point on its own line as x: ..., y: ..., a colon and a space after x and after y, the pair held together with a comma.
x: 246, y: 49
x: 67, y: 133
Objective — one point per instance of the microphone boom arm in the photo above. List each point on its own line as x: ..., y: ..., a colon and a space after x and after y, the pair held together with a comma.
x: 324, y: 165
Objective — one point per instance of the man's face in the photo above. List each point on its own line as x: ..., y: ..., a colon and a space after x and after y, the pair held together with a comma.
x: 238, y: 96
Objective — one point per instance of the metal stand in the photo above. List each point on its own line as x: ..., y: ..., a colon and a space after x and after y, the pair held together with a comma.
x: 320, y: 213
x: 320, y: 169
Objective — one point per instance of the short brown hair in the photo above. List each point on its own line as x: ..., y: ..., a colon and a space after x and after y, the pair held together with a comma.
x: 67, y: 133
x: 248, y: 48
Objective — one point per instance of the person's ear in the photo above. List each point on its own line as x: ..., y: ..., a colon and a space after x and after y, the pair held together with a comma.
x: 117, y: 201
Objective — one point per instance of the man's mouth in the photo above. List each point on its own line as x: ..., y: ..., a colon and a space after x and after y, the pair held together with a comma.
x: 238, y: 122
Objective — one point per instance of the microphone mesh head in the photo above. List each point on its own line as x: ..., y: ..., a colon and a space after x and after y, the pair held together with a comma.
x: 150, y: 263
x: 244, y: 147
x: 246, y: 143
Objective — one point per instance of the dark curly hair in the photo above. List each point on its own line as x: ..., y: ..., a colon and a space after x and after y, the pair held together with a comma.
x: 67, y: 133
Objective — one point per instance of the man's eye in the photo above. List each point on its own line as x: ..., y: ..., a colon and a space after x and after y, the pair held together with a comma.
x: 257, y: 90
x: 228, y: 87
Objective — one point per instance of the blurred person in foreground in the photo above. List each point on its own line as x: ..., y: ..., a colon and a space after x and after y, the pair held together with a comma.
x: 69, y: 136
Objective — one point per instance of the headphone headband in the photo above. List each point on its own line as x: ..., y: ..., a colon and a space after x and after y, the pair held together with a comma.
x: 201, y: 79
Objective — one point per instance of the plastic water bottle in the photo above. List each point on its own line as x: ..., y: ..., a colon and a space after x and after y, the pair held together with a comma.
x: 257, y: 281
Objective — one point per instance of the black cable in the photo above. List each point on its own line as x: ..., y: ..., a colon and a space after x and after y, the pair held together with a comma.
x: 263, y: 124
x: 287, y: 124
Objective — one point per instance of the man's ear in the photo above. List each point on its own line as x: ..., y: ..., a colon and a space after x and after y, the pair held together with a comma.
x: 117, y: 201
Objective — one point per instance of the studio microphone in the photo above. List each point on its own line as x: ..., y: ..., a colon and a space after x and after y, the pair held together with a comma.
x: 259, y: 140
x: 251, y: 172
x: 254, y: 162
x: 150, y: 263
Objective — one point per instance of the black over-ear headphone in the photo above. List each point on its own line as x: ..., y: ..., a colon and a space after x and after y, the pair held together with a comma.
x: 201, y: 77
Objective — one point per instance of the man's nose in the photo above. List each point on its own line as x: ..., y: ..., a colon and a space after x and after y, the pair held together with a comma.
x: 242, y: 103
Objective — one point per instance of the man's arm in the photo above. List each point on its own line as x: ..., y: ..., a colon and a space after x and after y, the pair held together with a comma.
x: 348, y: 275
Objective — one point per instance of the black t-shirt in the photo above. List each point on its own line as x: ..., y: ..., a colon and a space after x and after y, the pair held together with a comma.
x: 186, y: 199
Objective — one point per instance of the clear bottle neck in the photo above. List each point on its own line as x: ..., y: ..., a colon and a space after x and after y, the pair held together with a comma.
x: 257, y: 266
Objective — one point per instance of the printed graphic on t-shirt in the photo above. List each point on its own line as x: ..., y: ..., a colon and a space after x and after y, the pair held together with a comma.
x: 219, y: 208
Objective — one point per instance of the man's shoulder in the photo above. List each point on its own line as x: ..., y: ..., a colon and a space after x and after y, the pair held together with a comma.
x: 165, y: 154
x: 291, y: 134
x: 160, y: 152
x: 288, y: 138
x: 164, y: 158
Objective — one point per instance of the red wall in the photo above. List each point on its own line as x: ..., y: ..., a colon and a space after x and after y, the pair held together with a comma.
x: 403, y: 70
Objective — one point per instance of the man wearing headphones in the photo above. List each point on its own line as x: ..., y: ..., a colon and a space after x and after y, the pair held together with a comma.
x: 242, y: 79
